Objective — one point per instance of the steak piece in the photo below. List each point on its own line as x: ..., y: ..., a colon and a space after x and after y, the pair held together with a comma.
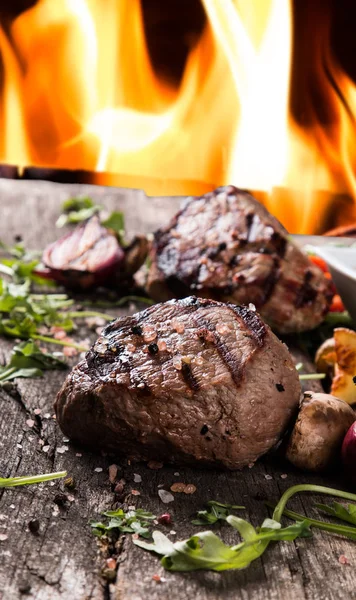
x: 188, y: 381
x: 226, y: 245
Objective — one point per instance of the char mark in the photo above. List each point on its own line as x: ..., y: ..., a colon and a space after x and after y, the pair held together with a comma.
x: 208, y: 334
x: 271, y: 280
x: 252, y: 321
x: 189, y: 378
x: 306, y: 294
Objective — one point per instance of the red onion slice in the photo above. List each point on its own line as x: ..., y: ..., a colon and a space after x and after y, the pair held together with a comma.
x: 86, y: 257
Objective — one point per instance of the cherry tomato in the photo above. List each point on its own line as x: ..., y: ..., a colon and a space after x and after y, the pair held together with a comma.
x: 336, y: 304
x: 319, y: 262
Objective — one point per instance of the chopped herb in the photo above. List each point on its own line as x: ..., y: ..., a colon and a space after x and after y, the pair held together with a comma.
x: 306, y: 376
x: 116, y: 222
x: 132, y: 521
x: 76, y: 210
x: 216, y: 512
x: 6, y: 482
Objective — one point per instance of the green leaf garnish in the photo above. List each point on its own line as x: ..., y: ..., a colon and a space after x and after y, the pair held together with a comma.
x: 132, y: 521
x: 339, y: 511
x: 6, y: 482
x: 27, y: 360
x: 76, y: 210
x: 116, y: 222
x: 217, y: 512
x: 207, y: 551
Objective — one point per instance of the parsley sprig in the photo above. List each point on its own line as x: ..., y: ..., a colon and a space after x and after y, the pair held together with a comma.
x: 77, y: 210
x: 132, y: 521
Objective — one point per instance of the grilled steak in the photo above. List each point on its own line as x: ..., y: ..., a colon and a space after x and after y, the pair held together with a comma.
x: 186, y: 381
x: 226, y: 245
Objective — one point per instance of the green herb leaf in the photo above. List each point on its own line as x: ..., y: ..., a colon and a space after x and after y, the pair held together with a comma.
x: 207, y: 551
x: 217, y: 512
x: 344, y: 513
x: 27, y: 360
x: 116, y: 222
x: 76, y: 210
x: 132, y: 521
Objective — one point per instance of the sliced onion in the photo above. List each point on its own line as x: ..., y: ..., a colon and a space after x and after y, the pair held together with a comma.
x: 86, y: 257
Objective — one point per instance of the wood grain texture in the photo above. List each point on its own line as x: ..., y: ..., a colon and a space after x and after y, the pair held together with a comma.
x: 63, y: 561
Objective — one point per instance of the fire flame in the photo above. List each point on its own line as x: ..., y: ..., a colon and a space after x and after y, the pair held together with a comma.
x: 79, y: 91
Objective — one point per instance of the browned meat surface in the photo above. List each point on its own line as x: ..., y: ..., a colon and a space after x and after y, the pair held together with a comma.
x: 187, y: 381
x: 226, y: 245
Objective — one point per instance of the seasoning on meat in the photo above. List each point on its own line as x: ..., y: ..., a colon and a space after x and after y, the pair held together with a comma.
x: 223, y: 409
x: 227, y: 246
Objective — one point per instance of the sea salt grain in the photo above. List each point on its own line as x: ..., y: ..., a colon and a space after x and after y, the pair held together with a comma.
x: 165, y: 496
x: 3, y: 537
x: 62, y: 449
x: 268, y: 477
x: 30, y: 422
x: 45, y: 448
x: 284, y: 476
x: 137, y: 478
x: 98, y: 469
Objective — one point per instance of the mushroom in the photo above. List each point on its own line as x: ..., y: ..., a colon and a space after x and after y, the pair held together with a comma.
x: 317, y: 436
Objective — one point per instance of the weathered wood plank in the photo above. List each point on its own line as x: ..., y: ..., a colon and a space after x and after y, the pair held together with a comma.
x: 62, y: 561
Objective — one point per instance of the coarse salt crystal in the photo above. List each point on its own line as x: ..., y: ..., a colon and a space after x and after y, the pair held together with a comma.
x: 165, y: 496
x: 173, y: 532
x: 177, y: 362
x: 3, y: 537
x: 46, y: 415
x: 268, y: 477
x: 161, y: 345
x: 252, y: 307
x: 37, y: 411
x: 178, y: 326
x: 137, y: 478
x: 45, y: 448
x: 222, y: 328
x: 149, y: 333
x: 30, y: 422
x: 284, y: 476
x: 98, y: 469
x: 19, y: 446
x: 62, y: 449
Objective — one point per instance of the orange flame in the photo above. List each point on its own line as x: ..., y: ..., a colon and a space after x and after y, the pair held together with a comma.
x: 79, y: 91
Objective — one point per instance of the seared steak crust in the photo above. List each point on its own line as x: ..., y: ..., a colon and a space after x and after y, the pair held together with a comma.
x: 187, y: 381
x: 226, y: 245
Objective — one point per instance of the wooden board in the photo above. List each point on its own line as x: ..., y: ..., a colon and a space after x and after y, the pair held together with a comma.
x: 63, y: 560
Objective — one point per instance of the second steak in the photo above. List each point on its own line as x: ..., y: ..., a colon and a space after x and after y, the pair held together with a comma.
x: 227, y: 246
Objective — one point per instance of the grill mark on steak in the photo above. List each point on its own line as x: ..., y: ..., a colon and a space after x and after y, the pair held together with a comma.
x: 208, y: 333
x: 306, y: 294
x: 271, y: 281
x: 252, y: 322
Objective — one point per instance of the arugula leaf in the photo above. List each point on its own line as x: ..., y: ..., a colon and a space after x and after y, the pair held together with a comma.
x: 217, y: 512
x: 116, y: 222
x: 28, y: 361
x: 206, y: 550
x: 132, y: 521
x: 344, y: 513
